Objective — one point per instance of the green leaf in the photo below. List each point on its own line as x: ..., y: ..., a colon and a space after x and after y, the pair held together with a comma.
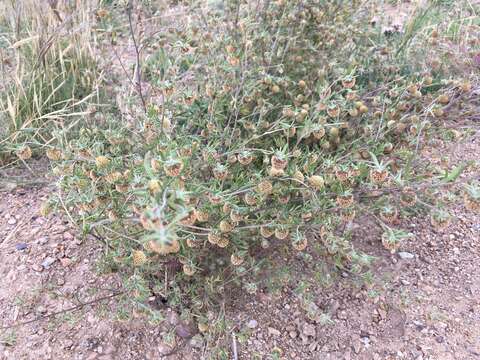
x: 147, y: 165
x: 455, y: 173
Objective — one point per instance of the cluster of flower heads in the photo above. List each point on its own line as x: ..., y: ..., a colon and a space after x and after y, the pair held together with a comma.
x: 281, y: 141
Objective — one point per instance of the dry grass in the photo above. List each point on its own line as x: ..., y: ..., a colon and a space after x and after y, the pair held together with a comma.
x: 49, y: 69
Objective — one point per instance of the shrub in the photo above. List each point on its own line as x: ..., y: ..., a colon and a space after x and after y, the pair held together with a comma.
x: 279, y: 123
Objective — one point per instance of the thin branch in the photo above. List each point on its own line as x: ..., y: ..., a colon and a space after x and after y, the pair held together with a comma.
x: 73, y: 308
x: 138, y: 71
x: 234, y: 346
x: 123, y: 67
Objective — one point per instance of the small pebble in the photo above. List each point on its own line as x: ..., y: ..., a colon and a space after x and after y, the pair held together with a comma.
x: 342, y: 315
x: 252, y: 324
x: 273, y: 332
x: 42, y: 240
x: 356, y: 346
x: 183, y: 331
x: 196, y: 342
x: 21, y: 246
x: 439, y: 339
x: 47, y: 262
x: 309, y: 330
x: 405, y: 255
x: 65, y: 261
x: 37, y: 268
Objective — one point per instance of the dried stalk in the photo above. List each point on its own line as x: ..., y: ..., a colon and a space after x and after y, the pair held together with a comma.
x: 137, y: 76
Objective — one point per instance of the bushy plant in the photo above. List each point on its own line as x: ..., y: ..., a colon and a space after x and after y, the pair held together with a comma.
x: 278, y: 123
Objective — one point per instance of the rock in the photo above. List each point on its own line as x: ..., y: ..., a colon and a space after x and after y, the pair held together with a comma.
x: 173, y: 318
x: 65, y: 261
x: 67, y: 344
x: 164, y: 349
x: 258, y: 344
x: 342, y: 315
x: 41, y: 309
x: 332, y: 310
x: 309, y: 330
x: 405, y: 255
x: 382, y: 313
x: 37, y: 268
x: 196, y: 342
x: 92, y: 356
x: 293, y: 334
x: 91, y: 318
x: 21, y: 246
x: 290, y: 327
x: 312, y: 309
x: 12, y: 221
x: 417, y: 355
x: 42, y: 240
x: 273, y: 332
x: 106, y: 357
x: 184, y: 331
x: 427, y: 260
x: 90, y: 343
x: 48, y: 261
x: 109, y: 349
x: 356, y: 346
x: 252, y: 324
x: 313, y: 346
x: 365, y: 341
x: 364, y: 333
x: 439, y: 339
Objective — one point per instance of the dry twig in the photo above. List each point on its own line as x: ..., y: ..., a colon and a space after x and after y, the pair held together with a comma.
x: 73, y: 308
x: 138, y: 71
